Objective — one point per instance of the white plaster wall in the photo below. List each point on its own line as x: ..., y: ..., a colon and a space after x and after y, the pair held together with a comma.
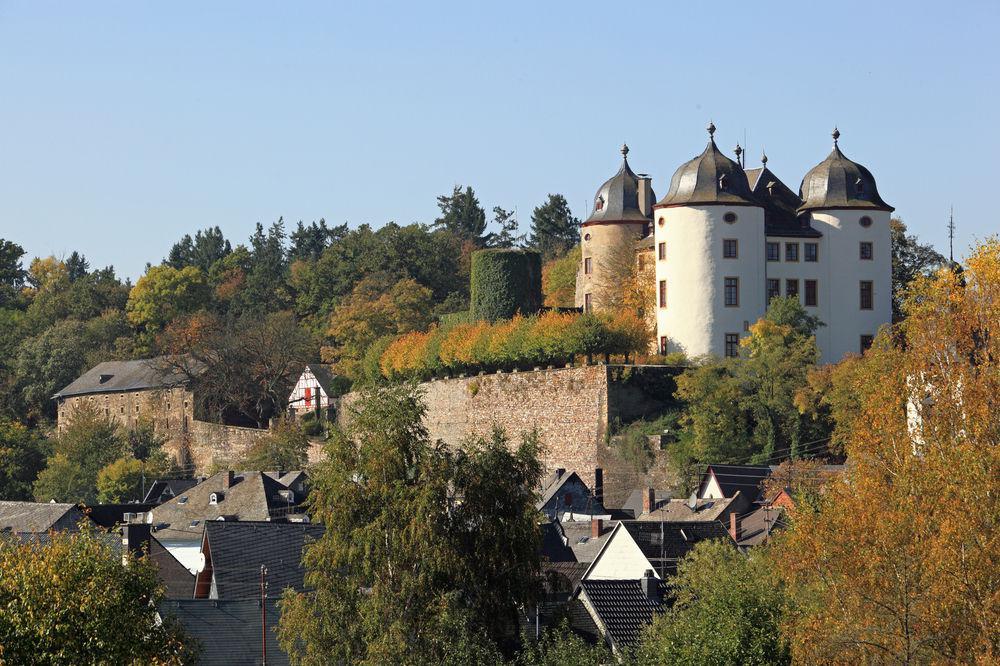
x: 620, y: 559
x: 296, y: 400
x: 845, y: 321
x: 696, y: 318
x: 805, y: 270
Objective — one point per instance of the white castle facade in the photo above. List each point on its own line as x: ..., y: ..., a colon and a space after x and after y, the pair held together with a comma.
x: 725, y: 240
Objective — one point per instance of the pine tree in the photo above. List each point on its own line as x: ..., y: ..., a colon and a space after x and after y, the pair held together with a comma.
x: 462, y: 215
x: 554, y: 230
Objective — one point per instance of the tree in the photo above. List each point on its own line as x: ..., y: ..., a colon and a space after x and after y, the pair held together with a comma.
x: 727, y: 609
x: 559, y: 646
x: 206, y: 248
x: 559, y: 279
x: 88, y: 442
x: 308, y: 242
x: 915, y: 581
x: 554, y: 230
x: 414, y: 559
x: 285, y: 447
x: 22, y: 457
x: 164, y: 294
x: 910, y: 259
x: 718, y: 428
x: 12, y: 273
x: 120, y: 481
x: 462, y: 215
x: 507, y: 237
x: 71, y: 600
x: 77, y: 266
x: 625, y: 281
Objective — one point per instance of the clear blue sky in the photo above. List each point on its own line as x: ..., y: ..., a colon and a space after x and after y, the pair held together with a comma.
x: 128, y: 124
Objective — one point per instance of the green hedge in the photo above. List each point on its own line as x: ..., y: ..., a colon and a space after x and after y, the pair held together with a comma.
x: 505, y: 283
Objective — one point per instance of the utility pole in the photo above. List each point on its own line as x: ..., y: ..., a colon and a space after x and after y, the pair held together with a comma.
x: 951, y: 236
x: 263, y: 615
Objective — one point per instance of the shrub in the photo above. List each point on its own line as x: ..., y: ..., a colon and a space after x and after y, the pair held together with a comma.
x: 504, y: 283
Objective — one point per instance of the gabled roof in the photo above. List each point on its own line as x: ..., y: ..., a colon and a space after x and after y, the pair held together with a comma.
x: 238, y: 549
x: 556, y: 482
x: 552, y: 546
x: 111, y: 515
x: 663, y: 544
x: 580, y: 540
x: 623, y: 607
x: 228, y: 632
x: 177, y: 581
x: 780, y: 205
x: 746, y: 479
x: 324, y: 376
x: 163, y: 490
x: 679, y: 510
x: 252, y: 496
x: 121, y: 376
x: 757, y: 526
x: 38, y: 517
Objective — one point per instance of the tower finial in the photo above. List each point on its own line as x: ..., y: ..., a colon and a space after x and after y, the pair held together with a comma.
x: 835, y: 135
x: 763, y: 157
x: 625, y: 150
x: 739, y: 154
x: 711, y: 130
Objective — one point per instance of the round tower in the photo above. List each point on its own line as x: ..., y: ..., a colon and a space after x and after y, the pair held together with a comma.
x: 709, y: 249
x: 842, y: 201
x: 622, y: 214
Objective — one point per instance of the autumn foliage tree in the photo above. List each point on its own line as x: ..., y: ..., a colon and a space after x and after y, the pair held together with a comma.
x: 898, y: 564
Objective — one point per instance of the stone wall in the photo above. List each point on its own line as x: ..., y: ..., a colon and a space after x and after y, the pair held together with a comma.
x: 216, y: 444
x: 571, y: 408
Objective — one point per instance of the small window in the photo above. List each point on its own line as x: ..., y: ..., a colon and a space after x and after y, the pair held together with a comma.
x: 867, y: 300
x: 866, y: 342
x: 663, y: 293
x: 866, y: 251
x: 791, y: 288
x: 730, y: 248
x: 732, y: 292
x: 865, y: 221
x: 811, y: 296
x: 732, y: 345
x: 773, y: 288
x: 663, y: 344
x: 811, y: 252
x: 859, y: 186
x: 662, y: 221
x: 774, y: 252
x: 588, y: 266
x: 791, y: 251
x: 599, y: 204
x: 586, y: 237
x: 729, y: 217
x: 723, y: 182
x: 746, y: 325
x: 661, y: 251
x: 587, y: 303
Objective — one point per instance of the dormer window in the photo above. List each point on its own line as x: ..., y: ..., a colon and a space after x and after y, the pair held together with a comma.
x: 214, y: 499
x: 599, y: 204
x: 722, y: 182
x: 859, y: 186
x: 105, y: 378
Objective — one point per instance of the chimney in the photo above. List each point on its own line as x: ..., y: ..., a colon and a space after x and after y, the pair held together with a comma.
x: 648, y: 500
x: 650, y: 585
x: 227, y: 479
x: 734, y: 529
x: 599, y: 485
x: 135, y: 538
x: 645, y: 195
x: 596, y: 527
x: 559, y: 472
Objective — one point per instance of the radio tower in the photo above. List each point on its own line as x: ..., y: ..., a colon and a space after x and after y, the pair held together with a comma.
x: 951, y: 236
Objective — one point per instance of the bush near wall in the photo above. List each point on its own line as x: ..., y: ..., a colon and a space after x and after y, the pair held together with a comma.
x: 505, y: 283
x: 520, y: 342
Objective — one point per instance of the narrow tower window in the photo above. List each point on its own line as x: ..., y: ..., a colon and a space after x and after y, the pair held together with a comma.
x: 791, y: 251
x: 732, y: 292
x: 732, y: 345
x: 811, y: 296
x: 730, y: 248
x: 866, y: 251
x: 588, y: 266
x: 587, y: 303
x: 866, y: 295
x: 661, y: 251
x: 663, y: 293
x: 792, y: 288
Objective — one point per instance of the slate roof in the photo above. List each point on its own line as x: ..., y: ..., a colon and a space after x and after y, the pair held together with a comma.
x: 780, y: 206
x: 711, y: 178
x: 838, y: 182
x: 253, y: 496
x: 578, y: 536
x: 111, y: 515
x: 176, y: 579
x: 619, y: 198
x: 121, y: 376
x: 663, y: 544
x: 110, y: 540
x: 757, y: 526
x: 622, y: 607
x: 228, y: 632
x: 552, y: 547
x: 38, y: 517
x: 164, y: 490
x: 745, y: 479
x: 555, y: 483
x: 673, y: 510
x: 238, y: 549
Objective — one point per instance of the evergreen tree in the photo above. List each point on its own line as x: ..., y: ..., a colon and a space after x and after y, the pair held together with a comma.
x: 12, y: 273
x: 554, y: 230
x: 462, y: 215
x: 308, y: 242
x: 910, y: 259
x: 77, y: 266
x: 507, y: 237
x: 206, y: 248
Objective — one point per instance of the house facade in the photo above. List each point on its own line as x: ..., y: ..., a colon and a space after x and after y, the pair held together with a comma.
x: 312, y: 391
x: 726, y: 239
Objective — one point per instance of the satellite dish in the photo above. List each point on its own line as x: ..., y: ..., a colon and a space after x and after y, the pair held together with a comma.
x: 693, y: 502
x: 201, y: 563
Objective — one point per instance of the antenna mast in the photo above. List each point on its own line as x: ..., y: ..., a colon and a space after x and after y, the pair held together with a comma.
x: 951, y: 235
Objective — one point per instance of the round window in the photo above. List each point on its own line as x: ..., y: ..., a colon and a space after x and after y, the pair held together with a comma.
x: 586, y: 237
x: 729, y: 217
x: 865, y: 221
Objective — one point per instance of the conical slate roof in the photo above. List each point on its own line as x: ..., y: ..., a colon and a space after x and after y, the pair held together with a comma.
x: 710, y: 178
x: 838, y: 182
x: 617, y: 200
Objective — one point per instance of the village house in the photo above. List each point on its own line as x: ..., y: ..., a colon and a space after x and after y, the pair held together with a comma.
x: 313, y: 392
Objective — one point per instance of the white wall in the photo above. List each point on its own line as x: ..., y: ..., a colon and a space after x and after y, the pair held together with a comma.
x: 296, y: 400
x: 696, y: 318
x: 620, y: 559
x: 803, y: 270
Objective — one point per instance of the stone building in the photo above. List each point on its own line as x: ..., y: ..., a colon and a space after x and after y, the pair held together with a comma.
x: 149, y: 391
x: 726, y: 239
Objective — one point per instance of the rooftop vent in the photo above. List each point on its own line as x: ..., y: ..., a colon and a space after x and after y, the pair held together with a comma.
x: 104, y: 379
x: 183, y: 499
x: 194, y: 523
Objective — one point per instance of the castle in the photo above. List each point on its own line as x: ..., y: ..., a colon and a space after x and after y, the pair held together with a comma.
x: 726, y: 239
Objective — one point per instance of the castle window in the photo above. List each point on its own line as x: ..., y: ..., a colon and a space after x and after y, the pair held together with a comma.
x: 867, y: 301
x: 663, y: 344
x: 866, y: 342
x: 722, y: 182
x: 865, y: 221
x: 811, y: 252
x: 661, y: 251
x: 663, y: 293
x: 791, y: 288
x: 587, y: 303
x: 732, y: 345
x: 811, y: 293
x: 586, y: 237
x: 859, y: 186
x: 730, y: 248
x: 729, y: 217
x: 662, y: 221
x: 599, y: 204
x: 731, y: 292
x: 791, y: 251
x: 773, y: 288
x: 774, y: 251
x: 588, y: 266
x: 866, y: 251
